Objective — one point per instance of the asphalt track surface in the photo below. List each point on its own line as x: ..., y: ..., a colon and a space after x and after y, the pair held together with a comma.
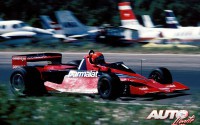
x: 184, y: 68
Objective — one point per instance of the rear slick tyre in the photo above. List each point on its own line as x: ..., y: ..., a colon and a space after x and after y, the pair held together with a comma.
x: 26, y: 81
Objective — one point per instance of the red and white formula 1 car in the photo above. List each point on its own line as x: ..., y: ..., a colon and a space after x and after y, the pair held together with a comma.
x: 89, y: 75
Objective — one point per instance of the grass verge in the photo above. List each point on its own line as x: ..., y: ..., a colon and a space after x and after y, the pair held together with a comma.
x: 77, y: 110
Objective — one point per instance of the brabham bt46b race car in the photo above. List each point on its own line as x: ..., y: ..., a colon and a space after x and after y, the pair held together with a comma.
x: 89, y: 75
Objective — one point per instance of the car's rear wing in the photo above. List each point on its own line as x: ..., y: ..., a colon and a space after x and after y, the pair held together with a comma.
x: 21, y: 60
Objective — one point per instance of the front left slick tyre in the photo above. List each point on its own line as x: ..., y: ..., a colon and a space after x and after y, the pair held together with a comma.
x: 109, y: 86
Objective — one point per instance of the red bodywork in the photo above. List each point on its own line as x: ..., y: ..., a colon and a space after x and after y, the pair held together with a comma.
x: 84, y: 78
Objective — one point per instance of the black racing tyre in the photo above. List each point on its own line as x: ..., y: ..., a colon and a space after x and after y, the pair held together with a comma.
x: 26, y: 81
x: 161, y: 75
x: 74, y: 62
x: 109, y: 86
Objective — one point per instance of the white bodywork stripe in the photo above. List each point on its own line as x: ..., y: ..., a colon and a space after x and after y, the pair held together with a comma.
x: 124, y: 8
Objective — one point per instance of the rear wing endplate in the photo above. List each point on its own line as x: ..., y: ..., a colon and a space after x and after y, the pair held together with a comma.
x: 21, y: 60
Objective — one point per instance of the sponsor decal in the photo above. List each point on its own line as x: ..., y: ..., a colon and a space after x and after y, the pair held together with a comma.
x: 165, y: 89
x: 74, y: 73
x: 171, y: 86
x: 16, y: 66
x: 19, y: 58
x: 143, y: 88
x: 181, y: 116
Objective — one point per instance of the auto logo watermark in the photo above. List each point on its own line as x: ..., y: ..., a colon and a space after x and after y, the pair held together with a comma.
x: 181, y: 117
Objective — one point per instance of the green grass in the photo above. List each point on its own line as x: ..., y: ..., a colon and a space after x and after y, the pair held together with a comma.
x: 84, y: 46
x: 77, y: 110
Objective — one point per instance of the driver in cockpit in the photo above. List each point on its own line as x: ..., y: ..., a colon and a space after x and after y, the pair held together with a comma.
x: 97, y: 58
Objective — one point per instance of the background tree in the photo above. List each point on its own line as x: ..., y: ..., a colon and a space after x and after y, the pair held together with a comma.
x: 98, y: 12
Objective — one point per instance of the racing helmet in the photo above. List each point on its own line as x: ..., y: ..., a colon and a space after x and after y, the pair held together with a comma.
x: 97, y: 58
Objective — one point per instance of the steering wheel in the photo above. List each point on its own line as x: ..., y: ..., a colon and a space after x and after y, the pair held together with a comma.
x: 90, y: 53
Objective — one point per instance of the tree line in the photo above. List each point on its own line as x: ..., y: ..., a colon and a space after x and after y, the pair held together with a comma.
x: 98, y: 12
